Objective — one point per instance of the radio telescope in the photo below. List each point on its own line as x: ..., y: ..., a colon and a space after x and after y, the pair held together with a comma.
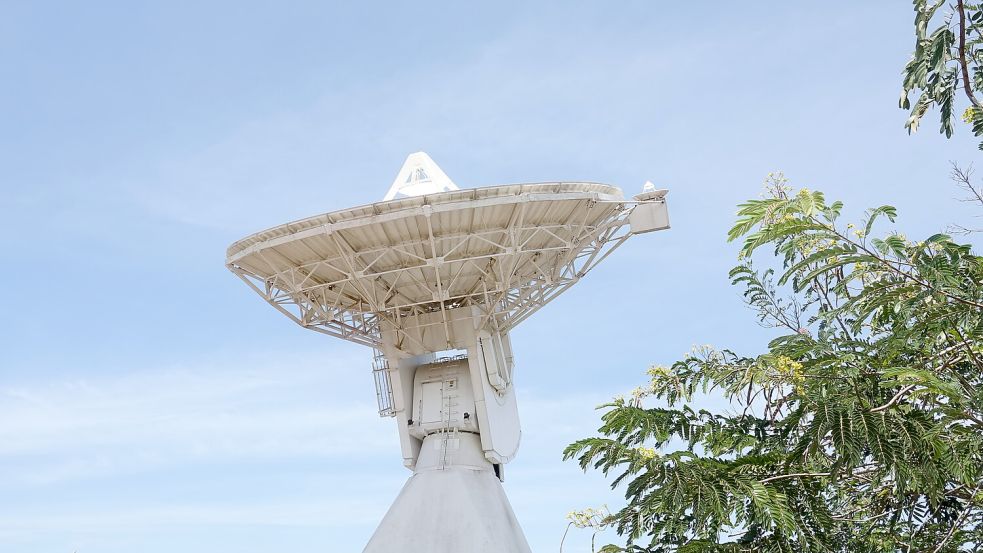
x: 434, y: 278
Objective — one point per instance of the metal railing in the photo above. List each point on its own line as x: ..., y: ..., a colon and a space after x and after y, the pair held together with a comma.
x: 383, y: 385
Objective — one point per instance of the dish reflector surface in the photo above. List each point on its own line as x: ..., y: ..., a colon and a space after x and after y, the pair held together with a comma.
x: 506, y: 250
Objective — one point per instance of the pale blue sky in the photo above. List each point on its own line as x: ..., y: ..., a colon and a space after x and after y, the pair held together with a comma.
x: 150, y: 402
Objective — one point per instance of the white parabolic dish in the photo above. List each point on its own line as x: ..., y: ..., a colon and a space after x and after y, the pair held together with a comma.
x: 405, y: 264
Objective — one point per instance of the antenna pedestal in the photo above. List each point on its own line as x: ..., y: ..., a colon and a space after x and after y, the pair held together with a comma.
x: 453, y: 503
x: 458, y: 425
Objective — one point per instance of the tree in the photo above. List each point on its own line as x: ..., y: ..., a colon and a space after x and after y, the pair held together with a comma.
x: 946, y: 64
x: 860, y: 429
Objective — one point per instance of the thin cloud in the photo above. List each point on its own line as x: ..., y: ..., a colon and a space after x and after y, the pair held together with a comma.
x: 155, y: 418
x: 277, y: 410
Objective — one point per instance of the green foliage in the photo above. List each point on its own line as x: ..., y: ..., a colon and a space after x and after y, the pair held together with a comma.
x: 945, y: 65
x: 859, y: 430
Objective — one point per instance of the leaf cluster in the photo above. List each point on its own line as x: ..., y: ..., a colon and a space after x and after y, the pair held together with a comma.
x: 945, y: 65
x: 859, y: 430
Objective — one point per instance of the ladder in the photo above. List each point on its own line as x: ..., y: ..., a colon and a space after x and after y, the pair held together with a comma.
x: 383, y: 384
x: 448, y: 409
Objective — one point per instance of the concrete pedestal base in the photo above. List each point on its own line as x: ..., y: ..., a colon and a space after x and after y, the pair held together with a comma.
x: 453, y: 503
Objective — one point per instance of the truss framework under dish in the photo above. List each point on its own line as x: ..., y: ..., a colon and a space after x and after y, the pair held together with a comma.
x: 523, y: 267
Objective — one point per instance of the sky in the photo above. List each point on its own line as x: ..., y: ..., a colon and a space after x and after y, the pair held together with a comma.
x: 150, y: 402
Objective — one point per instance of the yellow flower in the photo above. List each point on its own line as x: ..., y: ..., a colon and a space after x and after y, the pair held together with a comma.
x: 593, y: 518
x: 786, y: 366
x: 646, y: 453
x: 969, y: 115
x: 657, y: 370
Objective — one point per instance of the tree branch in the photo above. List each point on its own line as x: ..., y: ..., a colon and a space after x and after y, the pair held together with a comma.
x: 794, y: 475
x: 890, y: 265
x: 897, y: 397
x: 958, y: 522
x: 564, y: 538
x: 963, y: 64
x: 964, y: 180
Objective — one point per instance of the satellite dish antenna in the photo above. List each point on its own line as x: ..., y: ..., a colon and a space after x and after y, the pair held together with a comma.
x: 421, y: 278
